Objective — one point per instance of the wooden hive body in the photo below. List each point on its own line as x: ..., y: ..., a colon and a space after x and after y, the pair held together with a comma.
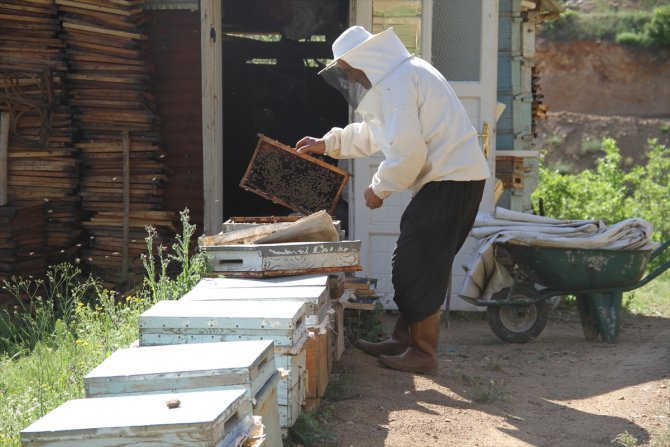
x: 247, y: 365
x: 304, y: 287
x: 187, y: 322
x: 286, y: 259
x: 316, y: 299
x: 203, y: 419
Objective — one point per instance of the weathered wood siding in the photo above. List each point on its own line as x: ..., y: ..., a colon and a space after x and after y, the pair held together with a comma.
x: 174, y: 39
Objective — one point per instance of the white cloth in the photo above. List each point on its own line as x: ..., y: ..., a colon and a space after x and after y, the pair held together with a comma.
x: 413, y: 116
x: 485, y: 276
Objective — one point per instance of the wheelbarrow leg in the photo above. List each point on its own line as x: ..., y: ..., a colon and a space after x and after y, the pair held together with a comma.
x: 586, y: 315
x: 601, y: 315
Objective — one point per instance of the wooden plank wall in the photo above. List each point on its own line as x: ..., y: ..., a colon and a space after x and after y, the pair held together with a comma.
x: 113, y: 105
x: 174, y: 52
x: 41, y: 167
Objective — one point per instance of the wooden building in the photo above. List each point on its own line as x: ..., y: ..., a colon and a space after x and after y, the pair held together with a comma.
x: 166, y: 98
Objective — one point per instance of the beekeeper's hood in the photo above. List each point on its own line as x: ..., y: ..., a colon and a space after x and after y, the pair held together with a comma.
x: 376, y: 55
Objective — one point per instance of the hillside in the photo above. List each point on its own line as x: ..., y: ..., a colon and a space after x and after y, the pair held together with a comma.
x: 597, y: 89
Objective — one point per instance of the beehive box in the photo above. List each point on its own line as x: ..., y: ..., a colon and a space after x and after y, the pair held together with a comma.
x: 287, y: 259
x: 316, y: 299
x: 186, y: 322
x: 319, y: 352
x: 202, y: 419
x: 209, y: 366
x: 318, y: 359
x: 300, y: 182
x: 313, y: 280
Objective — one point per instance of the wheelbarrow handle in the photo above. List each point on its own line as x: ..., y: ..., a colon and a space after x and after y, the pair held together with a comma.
x: 659, y: 250
x: 656, y: 272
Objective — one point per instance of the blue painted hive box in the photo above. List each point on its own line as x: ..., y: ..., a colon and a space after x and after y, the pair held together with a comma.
x: 201, y: 419
x: 316, y: 298
x: 248, y: 365
x: 192, y: 322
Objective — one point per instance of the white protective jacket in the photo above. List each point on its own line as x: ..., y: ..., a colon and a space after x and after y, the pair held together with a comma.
x: 413, y: 116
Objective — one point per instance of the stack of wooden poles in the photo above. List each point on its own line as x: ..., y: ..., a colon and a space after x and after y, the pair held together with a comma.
x: 39, y: 221
x: 122, y: 181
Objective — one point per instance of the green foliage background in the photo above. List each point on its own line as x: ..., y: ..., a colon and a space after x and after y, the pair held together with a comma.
x: 609, y: 193
x: 648, y: 28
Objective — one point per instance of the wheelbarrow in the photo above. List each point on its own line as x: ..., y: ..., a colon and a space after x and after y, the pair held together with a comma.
x: 596, y: 277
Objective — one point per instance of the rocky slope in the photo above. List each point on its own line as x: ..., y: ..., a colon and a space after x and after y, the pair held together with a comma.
x: 600, y: 89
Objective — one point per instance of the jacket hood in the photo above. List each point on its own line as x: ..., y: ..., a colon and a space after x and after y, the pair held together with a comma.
x: 378, y: 55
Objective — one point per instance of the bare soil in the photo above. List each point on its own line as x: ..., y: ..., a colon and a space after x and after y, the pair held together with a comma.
x: 557, y: 391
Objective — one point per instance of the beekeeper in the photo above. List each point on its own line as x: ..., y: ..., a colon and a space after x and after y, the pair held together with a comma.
x: 413, y: 116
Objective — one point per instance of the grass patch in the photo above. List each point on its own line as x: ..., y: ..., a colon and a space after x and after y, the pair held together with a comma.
x: 650, y: 300
x: 310, y: 430
x: 66, y: 325
x: 485, y: 391
x: 624, y: 439
x: 661, y: 440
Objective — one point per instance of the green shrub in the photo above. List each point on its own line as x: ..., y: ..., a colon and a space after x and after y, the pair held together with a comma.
x: 159, y: 283
x: 658, y: 30
x: 610, y: 194
x: 629, y: 38
x: 649, y: 28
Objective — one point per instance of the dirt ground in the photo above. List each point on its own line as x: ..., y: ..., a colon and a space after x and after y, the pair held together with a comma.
x: 557, y: 391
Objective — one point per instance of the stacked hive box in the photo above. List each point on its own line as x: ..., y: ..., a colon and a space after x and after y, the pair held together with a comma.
x: 207, y: 366
x: 520, y: 92
x: 195, y: 419
x: 313, y: 290
x: 187, y: 322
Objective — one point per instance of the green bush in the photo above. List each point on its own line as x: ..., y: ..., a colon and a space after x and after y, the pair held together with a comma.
x: 628, y: 38
x: 650, y: 29
x: 658, y: 30
x: 609, y: 193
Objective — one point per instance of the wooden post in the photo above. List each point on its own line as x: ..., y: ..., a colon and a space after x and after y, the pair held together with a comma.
x: 125, y: 142
x: 212, y: 124
x: 4, y: 149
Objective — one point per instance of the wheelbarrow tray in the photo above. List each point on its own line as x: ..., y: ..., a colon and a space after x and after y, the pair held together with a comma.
x: 574, y: 269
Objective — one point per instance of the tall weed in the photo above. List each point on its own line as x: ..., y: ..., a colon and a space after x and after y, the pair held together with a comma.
x: 40, y: 304
x: 160, y: 281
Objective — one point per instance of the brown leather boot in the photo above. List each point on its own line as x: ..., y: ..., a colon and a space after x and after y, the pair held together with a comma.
x: 396, y: 344
x: 421, y: 355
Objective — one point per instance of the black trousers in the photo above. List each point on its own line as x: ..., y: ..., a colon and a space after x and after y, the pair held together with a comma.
x: 433, y: 228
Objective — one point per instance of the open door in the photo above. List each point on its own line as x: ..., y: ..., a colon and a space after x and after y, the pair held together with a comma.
x: 460, y: 38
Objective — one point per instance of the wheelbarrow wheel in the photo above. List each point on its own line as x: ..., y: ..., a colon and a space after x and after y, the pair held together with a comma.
x: 518, y: 323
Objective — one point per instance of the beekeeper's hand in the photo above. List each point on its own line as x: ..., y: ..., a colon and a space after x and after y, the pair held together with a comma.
x: 371, y: 199
x: 311, y: 145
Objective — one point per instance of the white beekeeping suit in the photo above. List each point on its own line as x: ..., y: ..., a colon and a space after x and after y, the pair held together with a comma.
x: 410, y: 113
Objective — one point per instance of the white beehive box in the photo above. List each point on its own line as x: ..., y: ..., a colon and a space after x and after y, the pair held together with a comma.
x: 173, y: 368
x: 202, y: 419
x: 179, y: 322
x: 313, y: 280
x: 317, y: 299
x: 187, y: 322
x: 209, y: 366
x: 290, y: 258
